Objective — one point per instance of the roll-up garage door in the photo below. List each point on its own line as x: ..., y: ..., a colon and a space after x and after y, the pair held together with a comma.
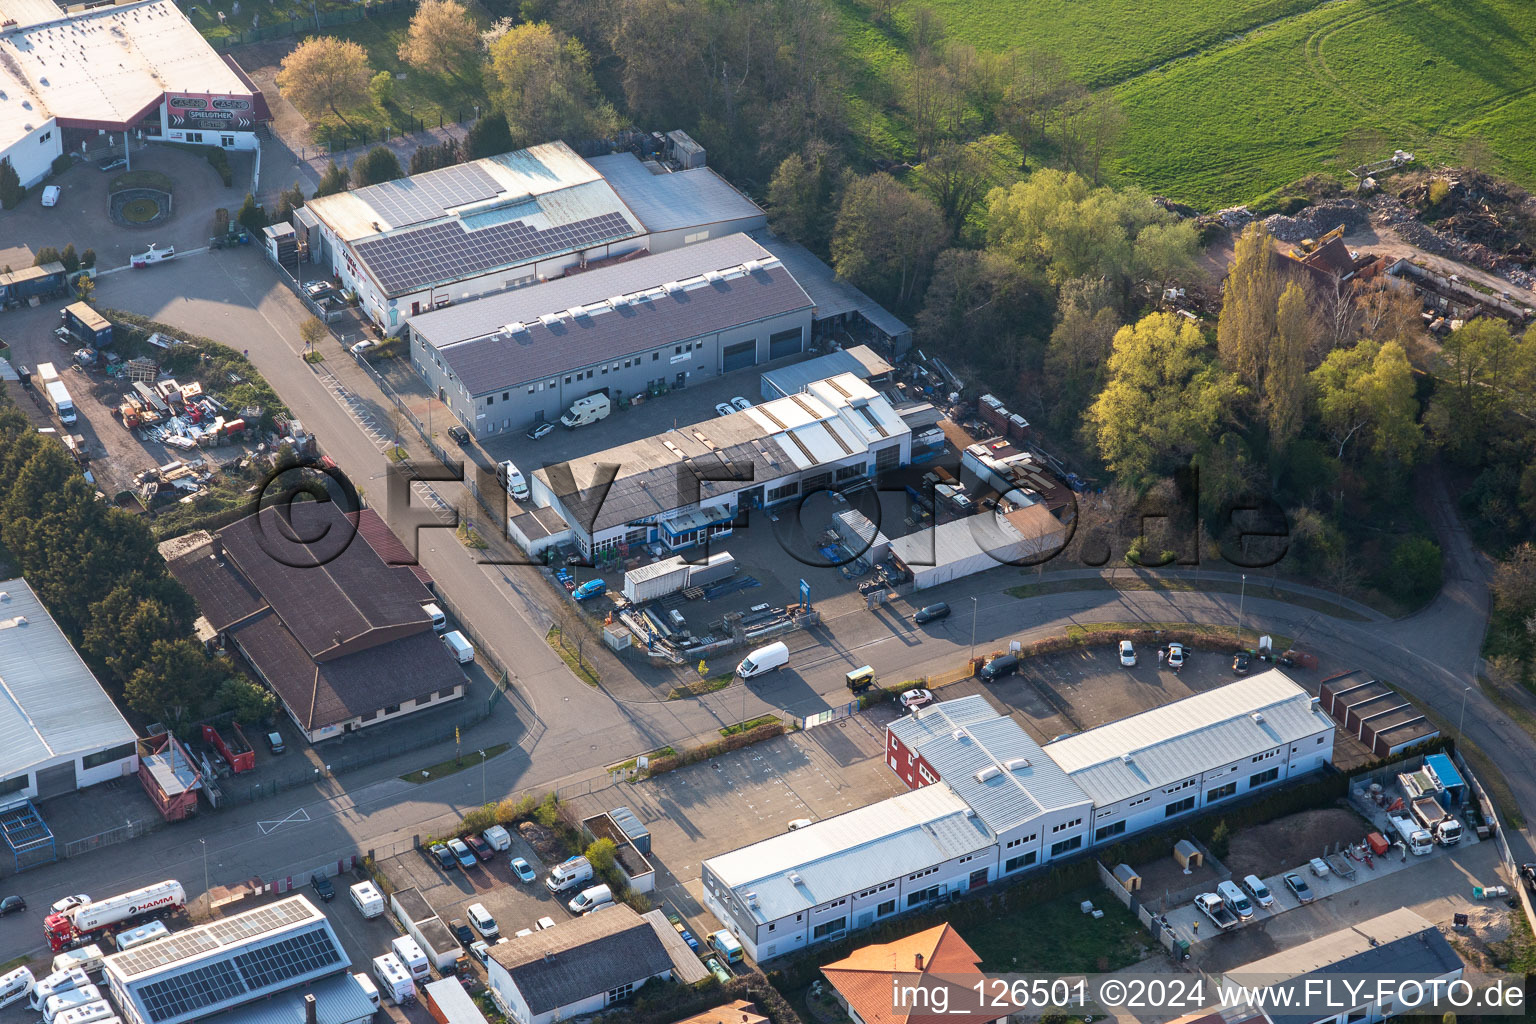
x: 785, y: 343
x: 739, y: 356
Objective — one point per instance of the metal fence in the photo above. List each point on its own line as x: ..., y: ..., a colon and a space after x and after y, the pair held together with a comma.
x: 1491, y: 814
x: 112, y: 836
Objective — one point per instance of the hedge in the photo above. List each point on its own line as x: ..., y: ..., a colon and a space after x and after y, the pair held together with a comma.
x: 667, y: 762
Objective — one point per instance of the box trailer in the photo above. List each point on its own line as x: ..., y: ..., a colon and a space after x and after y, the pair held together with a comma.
x: 87, y: 324
x: 60, y: 402
x: 29, y: 283
x: 236, y: 750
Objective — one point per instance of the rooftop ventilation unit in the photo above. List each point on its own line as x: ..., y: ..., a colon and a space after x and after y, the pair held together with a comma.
x: 970, y: 812
x: 794, y: 877
x: 958, y: 735
x: 1013, y: 764
x: 988, y: 773
x: 618, y: 300
x: 751, y: 899
x: 672, y: 286
x: 752, y: 266
x: 549, y: 319
x: 713, y: 275
x: 1258, y: 716
x: 1126, y: 758
x: 576, y: 311
x: 516, y: 327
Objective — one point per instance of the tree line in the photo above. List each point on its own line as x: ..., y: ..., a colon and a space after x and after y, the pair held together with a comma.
x: 97, y: 570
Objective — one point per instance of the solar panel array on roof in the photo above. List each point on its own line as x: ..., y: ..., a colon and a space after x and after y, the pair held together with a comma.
x: 428, y: 196
x: 166, y: 951
x: 256, y: 922
x: 202, y: 986
x: 438, y: 252
x: 287, y: 958
x: 248, y: 973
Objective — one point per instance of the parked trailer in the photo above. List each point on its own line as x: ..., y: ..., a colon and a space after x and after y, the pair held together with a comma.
x: 87, y: 324
x: 22, y: 286
x: 1341, y: 865
x: 237, y: 750
x: 89, y: 921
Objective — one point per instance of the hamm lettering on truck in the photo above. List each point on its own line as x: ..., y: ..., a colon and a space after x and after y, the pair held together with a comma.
x: 81, y: 924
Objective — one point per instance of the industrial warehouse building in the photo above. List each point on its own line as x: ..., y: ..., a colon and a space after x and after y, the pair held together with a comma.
x: 68, y: 77
x: 523, y: 356
x: 988, y: 802
x: 685, y: 487
x: 252, y: 968
x: 336, y: 631
x: 59, y: 731
x: 503, y: 222
x: 1021, y: 534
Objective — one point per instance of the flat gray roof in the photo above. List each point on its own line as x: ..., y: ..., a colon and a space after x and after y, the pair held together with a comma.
x: 51, y: 706
x: 859, y: 359
x: 678, y: 199
x: 831, y: 293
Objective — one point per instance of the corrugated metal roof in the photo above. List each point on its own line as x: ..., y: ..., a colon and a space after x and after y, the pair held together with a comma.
x: 680, y: 199
x: 448, y: 995
x: 51, y: 706
x: 963, y: 737
x: 837, y: 856
x: 860, y: 360
x: 466, y: 321
x: 833, y: 296
x: 338, y: 1000
x: 1189, y: 736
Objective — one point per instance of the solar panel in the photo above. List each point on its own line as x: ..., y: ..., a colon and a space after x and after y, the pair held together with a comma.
x: 428, y: 196
x: 164, y: 951
x: 191, y: 991
x: 288, y: 958
x: 437, y: 252
x: 259, y: 921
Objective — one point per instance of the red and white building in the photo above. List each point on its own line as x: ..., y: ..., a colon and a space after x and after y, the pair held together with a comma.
x: 71, y: 79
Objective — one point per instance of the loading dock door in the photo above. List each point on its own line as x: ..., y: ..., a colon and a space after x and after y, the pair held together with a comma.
x: 56, y: 781
x: 739, y: 356
x: 785, y: 343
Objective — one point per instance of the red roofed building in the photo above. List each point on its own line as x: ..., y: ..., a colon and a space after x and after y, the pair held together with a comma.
x: 925, y: 978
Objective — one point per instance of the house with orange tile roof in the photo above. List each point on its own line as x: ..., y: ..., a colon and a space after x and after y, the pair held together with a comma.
x: 926, y: 978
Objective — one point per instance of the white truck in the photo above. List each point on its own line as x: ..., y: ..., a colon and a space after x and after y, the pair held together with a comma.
x: 763, y: 660
x: 1418, y: 841
x: 1209, y: 904
x: 1445, y: 828
x: 60, y: 402
x: 586, y: 410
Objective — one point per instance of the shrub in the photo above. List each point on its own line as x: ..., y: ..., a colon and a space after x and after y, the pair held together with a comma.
x: 377, y: 165
x: 548, y: 811
x: 334, y: 180
x: 47, y: 254
x: 250, y: 703
x: 61, y: 163
x: 69, y: 258
x: 1416, y: 568
x: 88, y: 258
x: 251, y: 216
x: 11, y: 192
x: 220, y: 162
x: 1438, y: 190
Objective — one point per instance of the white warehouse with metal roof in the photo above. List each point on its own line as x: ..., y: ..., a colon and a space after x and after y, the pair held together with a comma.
x: 59, y: 731
x: 1022, y: 804
x: 686, y: 486
x: 256, y: 967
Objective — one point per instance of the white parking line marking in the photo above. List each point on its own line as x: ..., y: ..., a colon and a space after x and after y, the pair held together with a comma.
x: 268, y: 827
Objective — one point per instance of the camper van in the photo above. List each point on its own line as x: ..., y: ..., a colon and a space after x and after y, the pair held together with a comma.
x: 366, y: 899
x: 512, y: 479
x: 68, y: 1000
x: 87, y: 958
x: 16, y: 986
x: 91, y: 1013
x: 499, y: 838
x: 409, y: 953
x: 568, y: 874
x: 369, y: 989
x: 765, y: 659
x: 586, y: 410
x: 393, y: 979
x: 142, y: 934
x: 63, y: 981
x: 590, y: 899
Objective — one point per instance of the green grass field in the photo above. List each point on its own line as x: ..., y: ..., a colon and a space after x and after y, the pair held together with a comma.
x: 1228, y: 100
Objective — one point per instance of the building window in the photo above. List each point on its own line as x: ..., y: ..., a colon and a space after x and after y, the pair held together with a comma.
x: 1178, y: 807
x: 44, y: 137
x: 771, y: 927
x: 826, y: 928
x: 1066, y: 825
x: 194, y: 136
x: 1263, y: 757
x: 622, y: 992
x: 1265, y: 776
x: 392, y: 709
x: 1320, y: 739
x: 849, y: 472
x: 922, y: 896
x: 697, y: 236
x: 567, y: 378
x: 605, y: 371
x: 1023, y: 860
x: 786, y: 491
x: 490, y: 399
x: 655, y: 356
x: 1066, y: 845
x: 107, y: 756
x: 226, y: 141
x: 888, y: 907
x: 426, y: 698
x: 1022, y: 840
x: 506, y: 396
x: 1109, y: 830
x: 1221, y: 792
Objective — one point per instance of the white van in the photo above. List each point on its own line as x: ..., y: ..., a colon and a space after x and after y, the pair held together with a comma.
x: 481, y: 918
x: 765, y: 659
x: 1259, y: 891
x: 462, y: 650
x: 439, y: 620
x: 394, y: 980
x: 142, y: 934
x: 1236, y: 900
x: 409, y: 953
x: 568, y: 874
x: 590, y: 899
x: 16, y: 985
x: 62, y: 981
x: 369, y: 989
x: 57, y: 1004
x: 90, y: 1013
x: 512, y: 479
x: 87, y: 958
x: 499, y: 838
x: 366, y: 899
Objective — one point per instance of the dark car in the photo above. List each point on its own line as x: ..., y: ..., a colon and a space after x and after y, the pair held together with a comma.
x: 1299, y: 887
x: 1528, y: 872
x: 12, y: 905
x: 481, y: 848
x: 445, y: 858
x: 1240, y: 663
x: 318, y: 290
x: 1002, y: 665
x: 461, y: 932
x: 112, y: 163
x: 932, y: 613
x: 323, y: 887
x: 459, y: 434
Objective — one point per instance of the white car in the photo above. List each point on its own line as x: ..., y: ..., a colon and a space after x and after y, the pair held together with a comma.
x: 799, y: 823
x: 361, y: 347
x: 540, y: 430
x: 51, y: 195
x: 1175, y: 656
x: 70, y: 901
x: 916, y: 698
x: 724, y: 409
x: 741, y: 403
x: 545, y: 922
x: 1127, y: 654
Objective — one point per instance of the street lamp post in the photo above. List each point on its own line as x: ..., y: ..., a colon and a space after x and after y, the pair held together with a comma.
x: 974, y: 606
x: 482, y: 778
x: 1241, y: 600
x: 207, y: 893
x: 1463, y: 719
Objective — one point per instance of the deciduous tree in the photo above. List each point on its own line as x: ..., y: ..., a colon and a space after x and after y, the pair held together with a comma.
x: 1249, y: 302
x: 801, y: 195
x: 1285, y: 376
x: 958, y: 176
x: 543, y: 84
x: 325, y: 74
x: 1163, y: 400
x: 442, y: 39
x: 1076, y: 358
x: 174, y: 683
x: 488, y: 136
x: 886, y: 238
x: 250, y: 703
x: 1367, y: 390
x: 377, y: 165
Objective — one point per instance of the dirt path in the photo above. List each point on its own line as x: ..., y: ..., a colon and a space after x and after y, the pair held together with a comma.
x: 1383, y: 240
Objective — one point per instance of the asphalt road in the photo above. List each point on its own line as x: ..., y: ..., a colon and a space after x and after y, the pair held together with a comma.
x: 564, y: 731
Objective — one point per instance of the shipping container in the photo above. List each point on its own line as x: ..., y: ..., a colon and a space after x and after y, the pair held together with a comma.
x: 87, y: 324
